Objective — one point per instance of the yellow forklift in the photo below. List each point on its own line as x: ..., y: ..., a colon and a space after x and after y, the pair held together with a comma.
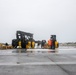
x: 23, y: 40
x: 51, y: 44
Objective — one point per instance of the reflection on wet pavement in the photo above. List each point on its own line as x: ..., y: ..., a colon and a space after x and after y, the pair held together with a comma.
x: 38, y: 62
x: 58, y: 51
x: 34, y: 51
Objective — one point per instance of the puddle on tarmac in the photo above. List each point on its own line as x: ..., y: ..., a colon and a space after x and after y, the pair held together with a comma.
x: 35, y: 51
x: 59, y: 51
x: 64, y: 51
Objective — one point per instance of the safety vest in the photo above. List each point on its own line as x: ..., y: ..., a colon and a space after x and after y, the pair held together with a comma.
x: 49, y: 42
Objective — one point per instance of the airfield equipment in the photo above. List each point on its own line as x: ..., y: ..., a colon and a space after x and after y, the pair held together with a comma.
x: 23, y: 40
x: 55, y: 44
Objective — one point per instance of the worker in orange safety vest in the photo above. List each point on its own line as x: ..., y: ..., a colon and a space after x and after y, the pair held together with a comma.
x: 50, y: 43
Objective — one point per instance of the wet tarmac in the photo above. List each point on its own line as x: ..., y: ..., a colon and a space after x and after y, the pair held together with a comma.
x: 38, y: 62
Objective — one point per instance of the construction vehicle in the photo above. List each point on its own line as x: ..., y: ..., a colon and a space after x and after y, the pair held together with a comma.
x: 5, y: 46
x: 55, y: 44
x: 23, y: 40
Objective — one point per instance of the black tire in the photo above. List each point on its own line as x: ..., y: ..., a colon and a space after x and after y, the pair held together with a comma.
x: 14, y: 43
x: 53, y: 47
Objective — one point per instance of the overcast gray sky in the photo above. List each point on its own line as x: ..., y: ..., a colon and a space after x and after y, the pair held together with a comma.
x: 40, y: 17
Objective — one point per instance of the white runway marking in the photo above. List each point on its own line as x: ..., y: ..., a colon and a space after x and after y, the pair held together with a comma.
x: 39, y: 63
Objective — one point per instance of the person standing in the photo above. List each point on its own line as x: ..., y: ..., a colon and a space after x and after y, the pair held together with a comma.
x: 50, y: 43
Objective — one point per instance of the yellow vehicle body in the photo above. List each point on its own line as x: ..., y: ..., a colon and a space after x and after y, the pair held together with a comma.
x: 56, y: 44
x: 19, y: 44
x: 33, y: 44
x: 28, y: 45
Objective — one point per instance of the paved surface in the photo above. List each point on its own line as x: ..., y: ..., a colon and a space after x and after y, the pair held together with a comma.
x: 38, y: 62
